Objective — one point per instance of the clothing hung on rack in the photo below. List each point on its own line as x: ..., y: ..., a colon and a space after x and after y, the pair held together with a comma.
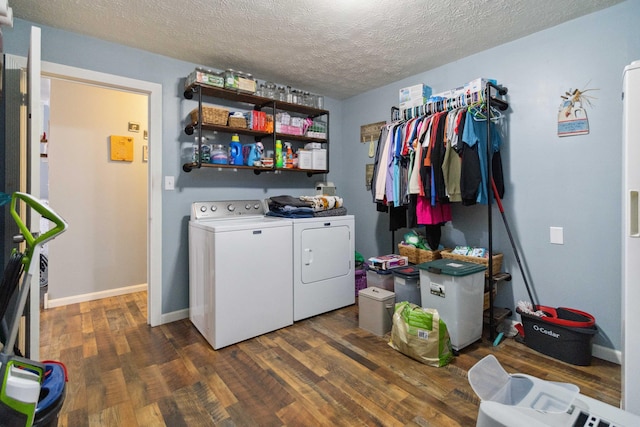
x: 428, y: 161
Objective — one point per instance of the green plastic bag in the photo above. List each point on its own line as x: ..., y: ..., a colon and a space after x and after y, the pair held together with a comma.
x: 421, y: 334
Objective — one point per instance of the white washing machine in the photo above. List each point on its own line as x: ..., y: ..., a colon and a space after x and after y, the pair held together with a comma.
x: 323, y: 265
x: 240, y: 271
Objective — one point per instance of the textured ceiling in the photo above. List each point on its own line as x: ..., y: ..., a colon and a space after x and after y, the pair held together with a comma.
x: 338, y: 48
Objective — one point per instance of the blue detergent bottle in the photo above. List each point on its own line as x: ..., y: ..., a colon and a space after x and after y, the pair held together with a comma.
x: 235, y: 150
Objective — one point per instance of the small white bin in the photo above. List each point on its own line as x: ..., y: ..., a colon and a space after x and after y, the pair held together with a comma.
x: 375, y: 310
x: 456, y: 290
x: 380, y: 279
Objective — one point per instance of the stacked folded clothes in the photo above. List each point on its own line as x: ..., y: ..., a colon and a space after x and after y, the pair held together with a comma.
x: 305, y: 206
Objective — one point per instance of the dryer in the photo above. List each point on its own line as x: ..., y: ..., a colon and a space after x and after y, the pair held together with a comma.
x: 323, y: 265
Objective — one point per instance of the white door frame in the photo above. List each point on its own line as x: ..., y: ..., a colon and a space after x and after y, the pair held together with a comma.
x: 154, y: 202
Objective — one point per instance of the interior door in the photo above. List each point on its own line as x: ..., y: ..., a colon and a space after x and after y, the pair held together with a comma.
x: 34, y: 129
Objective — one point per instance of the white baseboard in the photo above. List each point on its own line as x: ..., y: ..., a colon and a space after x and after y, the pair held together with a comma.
x: 58, y: 302
x: 606, y: 353
x: 174, y: 315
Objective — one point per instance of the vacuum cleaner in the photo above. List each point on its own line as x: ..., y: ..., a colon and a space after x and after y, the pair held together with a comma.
x: 31, y: 393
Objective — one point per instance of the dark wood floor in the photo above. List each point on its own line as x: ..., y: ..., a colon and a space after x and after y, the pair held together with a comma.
x: 320, y: 371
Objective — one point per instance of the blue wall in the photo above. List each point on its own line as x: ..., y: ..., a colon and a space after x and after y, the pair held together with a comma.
x: 569, y: 182
x: 207, y: 184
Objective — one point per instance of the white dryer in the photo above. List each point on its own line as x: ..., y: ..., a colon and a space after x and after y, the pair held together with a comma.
x: 240, y: 280
x: 323, y: 264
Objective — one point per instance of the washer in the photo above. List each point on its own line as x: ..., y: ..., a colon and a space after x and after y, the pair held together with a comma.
x: 323, y: 265
x: 240, y: 271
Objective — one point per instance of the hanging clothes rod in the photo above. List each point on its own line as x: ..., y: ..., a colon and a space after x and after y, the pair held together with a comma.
x: 445, y: 104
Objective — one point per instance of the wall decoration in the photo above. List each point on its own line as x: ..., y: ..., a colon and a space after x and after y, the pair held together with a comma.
x: 370, y: 133
x: 368, y: 172
x: 145, y: 134
x: 134, y: 127
x: 145, y: 153
x: 572, y: 116
x: 121, y: 148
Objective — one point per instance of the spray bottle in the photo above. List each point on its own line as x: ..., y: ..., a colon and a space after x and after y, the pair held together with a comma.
x: 279, y: 162
x: 289, y: 156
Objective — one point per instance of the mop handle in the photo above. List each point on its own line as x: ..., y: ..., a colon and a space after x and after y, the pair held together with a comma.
x: 495, y: 193
x: 513, y: 244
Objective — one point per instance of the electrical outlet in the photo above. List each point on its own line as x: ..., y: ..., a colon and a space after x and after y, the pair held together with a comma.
x: 169, y: 183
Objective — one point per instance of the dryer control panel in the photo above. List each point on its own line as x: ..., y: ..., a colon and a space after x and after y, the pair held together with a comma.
x: 227, y: 209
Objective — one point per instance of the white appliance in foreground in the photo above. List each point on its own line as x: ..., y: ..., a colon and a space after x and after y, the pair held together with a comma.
x: 631, y: 239
x: 323, y: 265
x: 514, y: 400
x: 240, y: 271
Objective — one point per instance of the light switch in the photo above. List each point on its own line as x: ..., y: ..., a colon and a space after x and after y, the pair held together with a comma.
x: 169, y: 183
x: 556, y: 235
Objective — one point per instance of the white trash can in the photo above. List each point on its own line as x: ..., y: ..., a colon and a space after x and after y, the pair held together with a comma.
x: 375, y: 310
x: 456, y: 289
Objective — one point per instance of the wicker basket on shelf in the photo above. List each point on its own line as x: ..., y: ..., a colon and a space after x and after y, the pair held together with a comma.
x: 417, y: 255
x: 496, y: 260
x: 211, y: 116
x: 237, y: 122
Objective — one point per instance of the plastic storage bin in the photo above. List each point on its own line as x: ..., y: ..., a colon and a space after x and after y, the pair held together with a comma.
x: 456, y: 290
x: 361, y: 280
x: 375, y: 310
x: 406, y: 284
x: 380, y: 279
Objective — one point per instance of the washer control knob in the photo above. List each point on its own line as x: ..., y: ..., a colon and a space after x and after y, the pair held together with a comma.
x: 214, y: 208
x: 256, y: 206
x: 231, y: 208
x: 247, y: 206
x: 203, y: 208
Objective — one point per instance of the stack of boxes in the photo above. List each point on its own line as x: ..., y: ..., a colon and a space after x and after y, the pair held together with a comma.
x: 417, y: 95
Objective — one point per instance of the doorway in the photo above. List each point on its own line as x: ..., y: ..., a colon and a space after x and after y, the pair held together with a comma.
x: 153, y: 223
x: 97, y: 188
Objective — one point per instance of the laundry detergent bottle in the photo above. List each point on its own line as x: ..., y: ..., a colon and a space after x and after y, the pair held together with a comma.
x: 235, y: 150
x: 279, y: 162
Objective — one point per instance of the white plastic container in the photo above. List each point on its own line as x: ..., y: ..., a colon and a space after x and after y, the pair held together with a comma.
x: 456, y: 290
x: 375, y: 310
x: 380, y: 279
x: 305, y: 159
x: 319, y: 159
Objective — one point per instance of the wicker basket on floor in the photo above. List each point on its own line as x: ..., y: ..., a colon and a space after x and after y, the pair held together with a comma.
x: 496, y: 260
x: 211, y: 116
x: 417, y: 255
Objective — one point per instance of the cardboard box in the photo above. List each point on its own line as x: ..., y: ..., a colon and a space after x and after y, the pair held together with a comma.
x: 211, y: 79
x: 414, y: 93
x: 386, y: 262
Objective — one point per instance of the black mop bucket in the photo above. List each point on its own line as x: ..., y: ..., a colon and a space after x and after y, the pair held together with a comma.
x: 564, y: 334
